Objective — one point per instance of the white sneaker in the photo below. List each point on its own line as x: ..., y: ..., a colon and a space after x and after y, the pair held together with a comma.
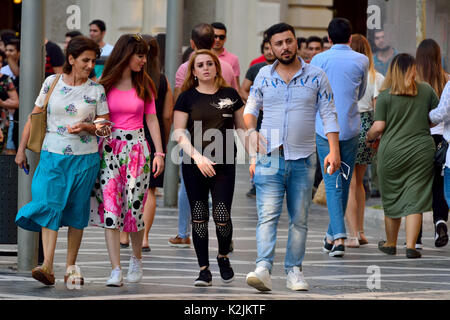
x: 259, y: 279
x: 135, y: 272
x: 295, y: 280
x: 116, y: 278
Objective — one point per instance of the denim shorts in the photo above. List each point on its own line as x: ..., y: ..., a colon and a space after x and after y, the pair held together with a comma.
x: 61, y: 190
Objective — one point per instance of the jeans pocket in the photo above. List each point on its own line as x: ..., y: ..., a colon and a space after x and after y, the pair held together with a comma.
x: 311, y: 161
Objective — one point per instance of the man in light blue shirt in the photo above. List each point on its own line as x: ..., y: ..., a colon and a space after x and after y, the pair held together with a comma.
x: 291, y: 93
x: 347, y: 72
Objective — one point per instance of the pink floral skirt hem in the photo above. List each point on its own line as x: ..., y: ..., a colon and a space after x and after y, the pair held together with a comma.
x: 121, y: 189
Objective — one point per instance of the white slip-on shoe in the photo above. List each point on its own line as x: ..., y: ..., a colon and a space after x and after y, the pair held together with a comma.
x: 295, y: 280
x: 259, y: 279
x: 135, y: 272
x: 116, y: 278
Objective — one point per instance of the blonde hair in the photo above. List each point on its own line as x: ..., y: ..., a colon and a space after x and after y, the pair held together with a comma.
x: 190, y: 81
x: 361, y: 44
x: 400, y: 76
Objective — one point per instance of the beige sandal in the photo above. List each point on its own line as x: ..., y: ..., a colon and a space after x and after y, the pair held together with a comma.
x: 352, y: 242
x: 74, y: 276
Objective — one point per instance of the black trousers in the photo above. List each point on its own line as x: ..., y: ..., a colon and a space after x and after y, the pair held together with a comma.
x: 440, y: 207
x: 198, y: 188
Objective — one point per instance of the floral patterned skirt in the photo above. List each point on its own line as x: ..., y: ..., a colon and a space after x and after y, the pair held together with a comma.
x: 365, y: 153
x: 121, y: 189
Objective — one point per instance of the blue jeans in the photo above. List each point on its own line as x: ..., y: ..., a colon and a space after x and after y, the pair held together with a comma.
x: 184, y: 210
x: 275, y: 176
x: 447, y: 185
x: 336, y: 186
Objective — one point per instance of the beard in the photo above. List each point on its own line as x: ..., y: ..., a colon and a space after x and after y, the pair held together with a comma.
x: 286, y: 61
x: 384, y: 49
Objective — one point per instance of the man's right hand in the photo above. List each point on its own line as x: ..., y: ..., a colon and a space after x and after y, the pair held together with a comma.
x: 333, y: 159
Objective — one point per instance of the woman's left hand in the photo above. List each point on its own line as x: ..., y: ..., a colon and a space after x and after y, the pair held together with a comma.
x: 76, y: 128
x: 158, y: 166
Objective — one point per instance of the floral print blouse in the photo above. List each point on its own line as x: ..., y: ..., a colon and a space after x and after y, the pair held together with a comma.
x: 67, y: 106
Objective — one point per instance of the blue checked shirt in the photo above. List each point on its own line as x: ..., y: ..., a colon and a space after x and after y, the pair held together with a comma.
x: 347, y: 71
x: 289, y: 109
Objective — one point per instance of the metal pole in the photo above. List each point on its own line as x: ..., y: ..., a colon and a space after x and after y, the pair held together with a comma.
x: 174, y: 40
x: 31, y: 76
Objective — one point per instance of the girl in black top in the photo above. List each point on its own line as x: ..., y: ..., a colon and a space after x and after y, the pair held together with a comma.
x: 209, y: 110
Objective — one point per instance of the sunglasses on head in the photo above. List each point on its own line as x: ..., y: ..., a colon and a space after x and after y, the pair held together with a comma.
x: 138, y: 37
x: 221, y: 37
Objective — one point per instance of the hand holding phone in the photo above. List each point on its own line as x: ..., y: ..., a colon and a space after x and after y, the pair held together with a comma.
x: 26, y: 168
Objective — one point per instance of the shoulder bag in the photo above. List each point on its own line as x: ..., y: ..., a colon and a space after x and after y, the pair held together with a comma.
x: 39, y: 123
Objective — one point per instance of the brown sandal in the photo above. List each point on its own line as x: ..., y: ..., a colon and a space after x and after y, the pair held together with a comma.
x: 43, y: 275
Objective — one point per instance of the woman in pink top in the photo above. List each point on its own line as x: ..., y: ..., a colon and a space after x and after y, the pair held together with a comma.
x: 125, y: 167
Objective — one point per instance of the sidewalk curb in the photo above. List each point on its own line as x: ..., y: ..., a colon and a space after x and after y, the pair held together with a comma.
x: 374, y: 217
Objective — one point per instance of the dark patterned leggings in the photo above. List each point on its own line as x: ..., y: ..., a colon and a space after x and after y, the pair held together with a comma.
x: 221, y: 187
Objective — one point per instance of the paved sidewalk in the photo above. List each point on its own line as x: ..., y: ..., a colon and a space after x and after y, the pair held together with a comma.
x: 169, y: 273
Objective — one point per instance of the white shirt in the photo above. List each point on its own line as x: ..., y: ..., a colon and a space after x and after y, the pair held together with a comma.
x: 106, y: 50
x: 372, y: 91
x: 7, y: 70
x: 69, y: 105
x: 442, y: 114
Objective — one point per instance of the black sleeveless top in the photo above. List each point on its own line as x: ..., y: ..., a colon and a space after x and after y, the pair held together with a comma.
x: 159, y: 103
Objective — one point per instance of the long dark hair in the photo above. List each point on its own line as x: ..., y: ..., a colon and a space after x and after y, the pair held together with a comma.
x: 153, y: 66
x: 125, y: 48
x: 429, y: 66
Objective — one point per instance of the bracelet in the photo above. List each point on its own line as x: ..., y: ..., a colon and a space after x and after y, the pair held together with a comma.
x: 160, y: 154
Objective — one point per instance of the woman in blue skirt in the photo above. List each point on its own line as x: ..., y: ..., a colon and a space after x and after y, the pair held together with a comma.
x: 69, y: 160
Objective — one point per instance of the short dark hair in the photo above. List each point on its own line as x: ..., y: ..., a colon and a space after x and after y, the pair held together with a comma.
x: 99, y: 23
x: 314, y: 39
x: 7, y: 35
x: 219, y: 25
x: 76, y: 47
x: 279, y: 28
x: 339, y: 30
x: 73, y: 34
x: 265, y: 40
x: 13, y: 42
x: 325, y: 40
x: 300, y: 40
x: 203, y: 36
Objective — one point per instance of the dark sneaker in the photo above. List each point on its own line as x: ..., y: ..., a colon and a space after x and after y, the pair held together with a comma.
x: 375, y: 194
x: 337, y: 251
x: 252, y: 192
x: 327, y: 246
x: 226, y: 272
x: 441, y: 236
x: 204, y: 278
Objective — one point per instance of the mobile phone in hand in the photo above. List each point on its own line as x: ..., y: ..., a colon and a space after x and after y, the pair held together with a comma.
x: 26, y: 168
x: 103, y: 121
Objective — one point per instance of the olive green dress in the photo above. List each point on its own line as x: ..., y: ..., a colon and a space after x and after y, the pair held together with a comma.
x: 406, y: 151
